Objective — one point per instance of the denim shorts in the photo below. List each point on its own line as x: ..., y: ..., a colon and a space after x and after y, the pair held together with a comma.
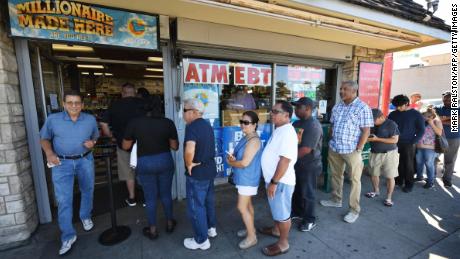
x: 280, y: 205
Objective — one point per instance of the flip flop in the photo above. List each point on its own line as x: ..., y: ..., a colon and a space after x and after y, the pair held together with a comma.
x: 273, y: 250
x: 372, y: 194
x: 388, y: 203
x: 268, y: 231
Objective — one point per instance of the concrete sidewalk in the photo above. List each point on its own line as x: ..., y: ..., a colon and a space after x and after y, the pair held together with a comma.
x: 421, y: 224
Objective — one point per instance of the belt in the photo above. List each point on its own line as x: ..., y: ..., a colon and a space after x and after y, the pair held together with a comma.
x: 383, y: 152
x: 75, y: 156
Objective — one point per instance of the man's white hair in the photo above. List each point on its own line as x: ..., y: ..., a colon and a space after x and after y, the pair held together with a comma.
x: 194, y: 103
x: 352, y: 84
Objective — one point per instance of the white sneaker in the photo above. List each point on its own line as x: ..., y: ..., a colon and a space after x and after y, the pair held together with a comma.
x: 351, y: 217
x: 242, y: 233
x: 67, y: 245
x: 212, y: 232
x: 191, y: 244
x: 331, y: 203
x: 87, y: 224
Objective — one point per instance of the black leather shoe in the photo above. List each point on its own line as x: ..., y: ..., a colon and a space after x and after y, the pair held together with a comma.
x: 146, y: 232
x: 428, y: 186
x: 171, y: 225
x: 407, y: 189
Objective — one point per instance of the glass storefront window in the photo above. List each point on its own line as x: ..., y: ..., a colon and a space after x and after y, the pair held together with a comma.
x: 294, y: 82
x: 228, y: 89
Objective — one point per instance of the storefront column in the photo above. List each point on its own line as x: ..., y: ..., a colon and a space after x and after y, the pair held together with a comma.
x: 350, y: 68
x: 173, y: 100
x: 18, y: 210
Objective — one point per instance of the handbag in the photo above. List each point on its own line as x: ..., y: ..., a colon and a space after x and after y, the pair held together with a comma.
x: 440, y: 144
x: 230, y: 177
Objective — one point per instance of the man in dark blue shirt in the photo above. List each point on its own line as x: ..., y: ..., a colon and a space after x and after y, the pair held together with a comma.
x: 67, y: 139
x: 384, y: 157
x: 308, y: 165
x: 453, y: 138
x: 411, y: 126
x: 199, y: 153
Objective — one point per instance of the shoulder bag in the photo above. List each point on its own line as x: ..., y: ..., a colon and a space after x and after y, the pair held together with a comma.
x: 440, y: 144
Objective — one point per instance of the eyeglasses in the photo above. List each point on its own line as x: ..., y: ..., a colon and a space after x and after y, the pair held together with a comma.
x: 275, y: 111
x: 246, y: 123
x: 73, y: 103
x: 186, y: 110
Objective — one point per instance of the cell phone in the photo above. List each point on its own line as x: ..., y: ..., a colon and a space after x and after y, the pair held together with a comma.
x: 228, y: 153
x: 371, y: 135
x: 53, y: 165
x: 50, y: 165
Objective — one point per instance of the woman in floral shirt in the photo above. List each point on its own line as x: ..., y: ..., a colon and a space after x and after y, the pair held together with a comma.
x: 425, y: 147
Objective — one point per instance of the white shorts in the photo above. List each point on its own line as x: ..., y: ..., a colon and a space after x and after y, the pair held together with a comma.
x: 247, y: 190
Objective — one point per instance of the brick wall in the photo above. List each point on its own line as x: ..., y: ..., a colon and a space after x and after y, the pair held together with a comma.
x: 350, y: 69
x: 18, y: 209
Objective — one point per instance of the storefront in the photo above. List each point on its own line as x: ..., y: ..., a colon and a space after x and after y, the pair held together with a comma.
x: 91, y: 49
x: 222, y: 53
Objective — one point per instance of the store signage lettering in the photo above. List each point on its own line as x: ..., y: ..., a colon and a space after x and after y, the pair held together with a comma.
x: 369, y: 80
x: 301, y: 74
x: 252, y: 75
x: 206, y: 73
x: 78, y: 22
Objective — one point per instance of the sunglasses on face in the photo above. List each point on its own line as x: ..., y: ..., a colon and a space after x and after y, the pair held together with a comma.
x: 246, y: 123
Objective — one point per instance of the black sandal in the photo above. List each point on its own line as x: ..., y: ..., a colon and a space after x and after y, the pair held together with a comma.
x: 146, y: 232
x: 170, y: 225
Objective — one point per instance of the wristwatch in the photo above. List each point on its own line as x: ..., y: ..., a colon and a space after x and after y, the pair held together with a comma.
x: 273, y: 182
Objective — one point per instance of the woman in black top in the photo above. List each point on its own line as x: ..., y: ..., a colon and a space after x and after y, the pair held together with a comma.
x: 155, y: 137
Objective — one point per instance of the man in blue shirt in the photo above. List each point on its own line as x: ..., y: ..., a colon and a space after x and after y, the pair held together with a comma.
x: 411, y: 125
x: 67, y: 139
x: 199, y: 153
x: 453, y: 138
x: 351, y: 122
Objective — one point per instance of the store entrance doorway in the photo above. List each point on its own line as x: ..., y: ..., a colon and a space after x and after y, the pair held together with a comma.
x: 98, y: 74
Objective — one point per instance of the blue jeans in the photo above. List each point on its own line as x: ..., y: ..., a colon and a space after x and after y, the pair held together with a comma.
x: 155, y: 175
x: 425, y: 158
x: 63, y: 181
x: 200, y: 207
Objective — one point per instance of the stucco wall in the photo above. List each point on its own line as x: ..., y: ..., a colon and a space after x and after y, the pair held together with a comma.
x: 430, y: 81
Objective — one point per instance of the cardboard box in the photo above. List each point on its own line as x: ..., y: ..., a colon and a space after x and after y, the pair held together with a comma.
x: 232, y: 117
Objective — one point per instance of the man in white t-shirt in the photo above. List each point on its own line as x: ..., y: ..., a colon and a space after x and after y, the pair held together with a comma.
x: 278, y: 161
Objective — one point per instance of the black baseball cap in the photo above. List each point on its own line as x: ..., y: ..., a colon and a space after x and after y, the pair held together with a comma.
x: 305, y: 101
x: 446, y: 93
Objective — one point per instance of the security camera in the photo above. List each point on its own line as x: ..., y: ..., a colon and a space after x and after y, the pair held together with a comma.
x: 432, y: 4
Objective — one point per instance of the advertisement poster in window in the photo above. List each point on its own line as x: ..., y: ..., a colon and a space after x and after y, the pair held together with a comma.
x: 208, y: 95
x: 369, y: 79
